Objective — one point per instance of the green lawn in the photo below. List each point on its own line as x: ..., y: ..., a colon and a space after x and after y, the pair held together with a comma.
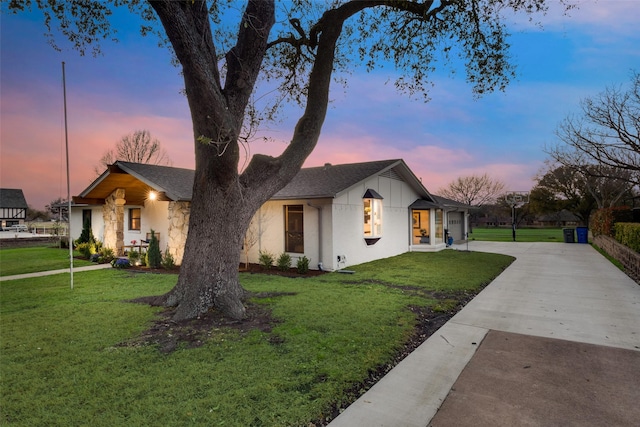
x: 62, y: 362
x: 522, y: 234
x: 35, y: 258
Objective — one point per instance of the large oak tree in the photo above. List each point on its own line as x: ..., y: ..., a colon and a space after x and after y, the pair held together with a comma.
x: 297, y: 48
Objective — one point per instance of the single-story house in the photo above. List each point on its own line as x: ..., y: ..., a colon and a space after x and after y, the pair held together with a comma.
x: 13, y: 207
x: 335, y: 215
x: 562, y: 218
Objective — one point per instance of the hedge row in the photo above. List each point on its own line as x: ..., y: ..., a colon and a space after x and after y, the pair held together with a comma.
x: 628, y: 233
x: 602, y: 221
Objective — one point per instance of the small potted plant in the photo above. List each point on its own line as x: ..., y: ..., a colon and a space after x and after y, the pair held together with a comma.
x: 425, y: 236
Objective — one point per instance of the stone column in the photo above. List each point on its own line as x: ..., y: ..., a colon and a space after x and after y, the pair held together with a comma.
x: 178, y: 228
x: 113, y: 216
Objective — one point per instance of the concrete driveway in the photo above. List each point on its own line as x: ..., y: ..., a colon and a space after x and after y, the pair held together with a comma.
x: 554, y: 340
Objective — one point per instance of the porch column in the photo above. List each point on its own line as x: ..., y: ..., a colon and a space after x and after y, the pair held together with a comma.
x: 113, y: 216
x: 179, y: 213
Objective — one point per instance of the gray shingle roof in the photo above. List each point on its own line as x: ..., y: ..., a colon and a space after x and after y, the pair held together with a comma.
x: 448, y: 203
x: 12, y: 198
x: 326, y: 181
x: 176, y: 183
x: 329, y: 180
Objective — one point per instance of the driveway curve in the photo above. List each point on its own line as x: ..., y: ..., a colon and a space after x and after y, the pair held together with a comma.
x: 553, y: 340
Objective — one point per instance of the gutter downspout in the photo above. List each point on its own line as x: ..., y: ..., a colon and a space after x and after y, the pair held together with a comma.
x: 319, y: 208
x: 259, y: 213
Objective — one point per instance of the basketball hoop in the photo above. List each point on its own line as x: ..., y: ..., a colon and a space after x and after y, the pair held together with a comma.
x: 516, y: 199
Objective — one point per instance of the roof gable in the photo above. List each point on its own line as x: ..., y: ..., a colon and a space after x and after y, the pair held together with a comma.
x: 176, y: 183
x: 329, y: 181
x: 139, y: 179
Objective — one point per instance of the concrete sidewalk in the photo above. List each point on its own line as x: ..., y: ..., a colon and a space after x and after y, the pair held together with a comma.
x: 559, y: 308
x: 51, y: 272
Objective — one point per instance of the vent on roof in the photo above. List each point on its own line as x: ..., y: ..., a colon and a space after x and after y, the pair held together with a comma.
x: 391, y: 173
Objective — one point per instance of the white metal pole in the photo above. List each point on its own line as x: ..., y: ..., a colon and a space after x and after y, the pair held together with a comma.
x: 66, y: 142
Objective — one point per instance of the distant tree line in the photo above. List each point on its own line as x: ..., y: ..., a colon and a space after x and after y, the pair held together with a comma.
x: 594, y: 164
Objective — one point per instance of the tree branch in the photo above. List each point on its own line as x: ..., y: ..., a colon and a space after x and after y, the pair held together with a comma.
x: 244, y: 60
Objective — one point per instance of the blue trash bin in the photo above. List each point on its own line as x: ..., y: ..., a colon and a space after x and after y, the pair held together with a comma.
x: 583, y: 234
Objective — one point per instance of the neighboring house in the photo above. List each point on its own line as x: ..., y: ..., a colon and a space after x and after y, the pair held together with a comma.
x: 13, y: 207
x: 562, y: 218
x: 335, y: 215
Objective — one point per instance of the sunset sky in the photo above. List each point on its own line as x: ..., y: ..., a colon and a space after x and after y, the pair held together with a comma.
x: 133, y: 86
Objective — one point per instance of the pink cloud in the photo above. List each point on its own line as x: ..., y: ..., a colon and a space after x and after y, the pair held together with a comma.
x: 33, y: 144
x: 600, y: 18
x: 436, y: 166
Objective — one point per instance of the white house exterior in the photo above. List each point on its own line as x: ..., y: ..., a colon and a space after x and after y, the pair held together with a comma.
x: 335, y: 215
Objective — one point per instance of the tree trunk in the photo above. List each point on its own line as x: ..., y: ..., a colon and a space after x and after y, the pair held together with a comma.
x: 223, y: 201
x: 209, y: 272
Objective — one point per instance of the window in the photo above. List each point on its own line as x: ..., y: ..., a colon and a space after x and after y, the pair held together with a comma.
x: 134, y: 218
x: 372, y: 202
x: 86, y: 217
x: 294, y: 228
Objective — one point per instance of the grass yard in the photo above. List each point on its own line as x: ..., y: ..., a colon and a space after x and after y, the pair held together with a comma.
x: 493, y: 234
x: 35, y: 258
x: 67, y: 356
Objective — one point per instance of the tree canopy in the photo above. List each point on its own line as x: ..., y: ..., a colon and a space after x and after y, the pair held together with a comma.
x: 561, y: 187
x: 137, y: 147
x: 604, y: 139
x: 226, y: 50
x: 475, y: 190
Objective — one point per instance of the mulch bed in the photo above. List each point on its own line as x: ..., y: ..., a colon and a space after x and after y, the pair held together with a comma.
x: 252, y: 268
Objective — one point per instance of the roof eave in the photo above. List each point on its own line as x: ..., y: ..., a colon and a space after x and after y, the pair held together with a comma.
x: 168, y: 194
x: 303, y: 197
x: 95, y: 183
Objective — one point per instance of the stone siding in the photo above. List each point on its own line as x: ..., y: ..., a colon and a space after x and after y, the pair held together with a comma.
x: 178, y: 228
x: 113, y: 216
x: 627, y: 257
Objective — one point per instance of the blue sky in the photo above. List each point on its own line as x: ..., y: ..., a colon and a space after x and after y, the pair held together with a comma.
x: 133, y: 86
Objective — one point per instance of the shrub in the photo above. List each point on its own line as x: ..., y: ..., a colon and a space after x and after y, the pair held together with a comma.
x: 303, y: 265
x: 134, y: 257
x: 87, y: 235
x: 154, y: 257
x: 265, y: 259
x: 284, y: 262
x: 86, y: 249
x: 167, y: 260
x: 120, y: 263
x: 106, y: 254
x: 603, y: 220
x: 628, y: 234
